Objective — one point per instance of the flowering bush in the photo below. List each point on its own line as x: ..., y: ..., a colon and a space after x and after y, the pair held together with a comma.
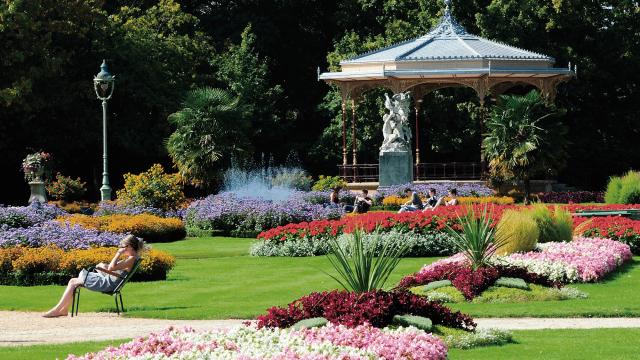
x: 149, y: 227
x: 230, y: 213
x: 569, y: 197
x: 25, y: 216
x: 52, y: 232
x: 352, y: 309
x: 617, y: 228
x: 328, y: 183
x: 52, y: 265
x: 66, y: 188
x: 248, y: 343
x: 584, y: 259
x: 35, y: 166
x: 152, y: 188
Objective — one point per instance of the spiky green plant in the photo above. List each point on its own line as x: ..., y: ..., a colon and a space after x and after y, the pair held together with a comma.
x: 477, y: 239
x: 359, y: 268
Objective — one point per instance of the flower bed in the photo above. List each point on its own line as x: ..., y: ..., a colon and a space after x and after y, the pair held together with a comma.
x: 464, y: 189
x: 149, y: 227
x: 52, y: 265
x: 64, y: 236
x: 25, y: 216
x: 617, y: 228
x: 395, y: 201
x: 568, y: 197
x: 352, y: 309
x: 242, y: 216
x: 582, y: 260
x: 325, y: 343
x: 113, y: 207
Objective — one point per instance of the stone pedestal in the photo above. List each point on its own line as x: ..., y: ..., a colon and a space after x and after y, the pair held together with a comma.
x: 395, y: 168
x: 38, y: 192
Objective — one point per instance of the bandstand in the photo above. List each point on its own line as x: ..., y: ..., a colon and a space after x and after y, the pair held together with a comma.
x: 447, y: 56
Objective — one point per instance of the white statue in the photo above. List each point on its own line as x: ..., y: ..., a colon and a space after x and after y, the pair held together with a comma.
x: 396, y: 131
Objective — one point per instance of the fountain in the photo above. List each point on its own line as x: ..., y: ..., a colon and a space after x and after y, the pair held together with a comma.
x: 267, y: 183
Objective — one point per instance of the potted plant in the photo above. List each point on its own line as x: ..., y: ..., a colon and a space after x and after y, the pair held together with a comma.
x: 35, y: 168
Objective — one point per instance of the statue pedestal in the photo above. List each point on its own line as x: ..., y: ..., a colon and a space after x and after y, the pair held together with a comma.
x: 395, y: 168
x: 38, y: 192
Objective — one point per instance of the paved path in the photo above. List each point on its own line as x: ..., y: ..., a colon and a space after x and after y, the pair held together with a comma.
x: 29, y: 328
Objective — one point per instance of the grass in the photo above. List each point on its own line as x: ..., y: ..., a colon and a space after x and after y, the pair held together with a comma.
x: 214, y: 278
x: 58, y: 351
x: 608, y: 344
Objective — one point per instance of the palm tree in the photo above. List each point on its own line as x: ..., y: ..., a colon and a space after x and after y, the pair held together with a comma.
x: 209, y: 126
x: 524, y: 139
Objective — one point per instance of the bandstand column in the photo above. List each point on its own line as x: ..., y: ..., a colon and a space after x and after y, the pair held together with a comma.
x: 353, y: 131
x: 418, y: 106
x: 344, y: 132
x: 483, y: 115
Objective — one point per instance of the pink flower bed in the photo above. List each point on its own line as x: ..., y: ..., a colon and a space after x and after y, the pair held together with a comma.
x: 249, y: 343
x: 593, y: 258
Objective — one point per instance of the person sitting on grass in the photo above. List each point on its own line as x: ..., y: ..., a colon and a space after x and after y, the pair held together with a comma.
x: 361, y: 204
x: 453, y: 200
x: 413, y: 204
x: 105, y: 278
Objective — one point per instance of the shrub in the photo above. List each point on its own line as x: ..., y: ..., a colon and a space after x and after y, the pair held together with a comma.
x: 66, y: 188
x: 517, y: 231
x: 419, y: 322
x: 361, y: 268
x: 310, y: 323
x: 624, y: 190
x: 149, y: 227
x: 352, y: 309
x: 556, y: 226
x: 328, y: 183
x: 563, y: 224
x: 75, y: 207
x: 292, y: 178
x: 515, y: 283
x: 52, y: 265
x: 152, y: 188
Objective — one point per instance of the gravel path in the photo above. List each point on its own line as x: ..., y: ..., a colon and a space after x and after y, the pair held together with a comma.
x: 30, y: 328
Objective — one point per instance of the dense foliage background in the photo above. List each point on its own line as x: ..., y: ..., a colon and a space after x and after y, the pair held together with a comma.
x: 266, y: 54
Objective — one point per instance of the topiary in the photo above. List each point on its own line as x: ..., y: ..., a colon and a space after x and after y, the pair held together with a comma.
x: 514, y: 283
x: 437, y: 284
x: 310, y: 323
x: 419, y: 322
x: 516, y: 231
x: 624, y: 190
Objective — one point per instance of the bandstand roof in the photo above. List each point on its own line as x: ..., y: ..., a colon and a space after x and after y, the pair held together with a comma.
x: 448, y: 56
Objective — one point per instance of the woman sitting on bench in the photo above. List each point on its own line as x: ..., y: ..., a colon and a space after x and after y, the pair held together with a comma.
x: 105, y: 278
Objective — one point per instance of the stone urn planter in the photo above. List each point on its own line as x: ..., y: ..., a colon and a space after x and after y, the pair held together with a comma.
x: 38, y: 191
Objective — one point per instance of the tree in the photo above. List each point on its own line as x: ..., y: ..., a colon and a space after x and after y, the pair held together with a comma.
x: 246, y: 74
x: 523, y: 139
x: 209, y: 127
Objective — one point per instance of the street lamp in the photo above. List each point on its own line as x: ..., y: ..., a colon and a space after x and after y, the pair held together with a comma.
x: 103, y: 84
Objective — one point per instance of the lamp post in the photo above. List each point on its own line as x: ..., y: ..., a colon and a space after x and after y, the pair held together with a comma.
x: 103, y: 83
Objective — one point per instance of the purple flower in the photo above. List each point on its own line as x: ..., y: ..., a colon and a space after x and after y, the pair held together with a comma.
x: 64, y: 236
x: 108, y: 208
x: 25, y: 216
x: 464, y: 189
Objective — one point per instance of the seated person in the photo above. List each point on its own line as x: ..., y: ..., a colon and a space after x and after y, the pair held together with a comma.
x: 334, y: 198
x: 413, y: 204
x: 453, y: 200
x: 361, y: 205
x: 104, y: 279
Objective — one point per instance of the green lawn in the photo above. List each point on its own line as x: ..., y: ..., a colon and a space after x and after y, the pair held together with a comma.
x: 214, y: 278
x: 608, y: 344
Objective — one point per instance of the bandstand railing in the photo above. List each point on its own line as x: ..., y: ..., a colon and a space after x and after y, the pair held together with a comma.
x: 421, y: 171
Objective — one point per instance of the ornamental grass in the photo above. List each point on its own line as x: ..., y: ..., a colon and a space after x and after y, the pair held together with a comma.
x: 517, y: 231
x: 52, y: 265
x: 151, y: 228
